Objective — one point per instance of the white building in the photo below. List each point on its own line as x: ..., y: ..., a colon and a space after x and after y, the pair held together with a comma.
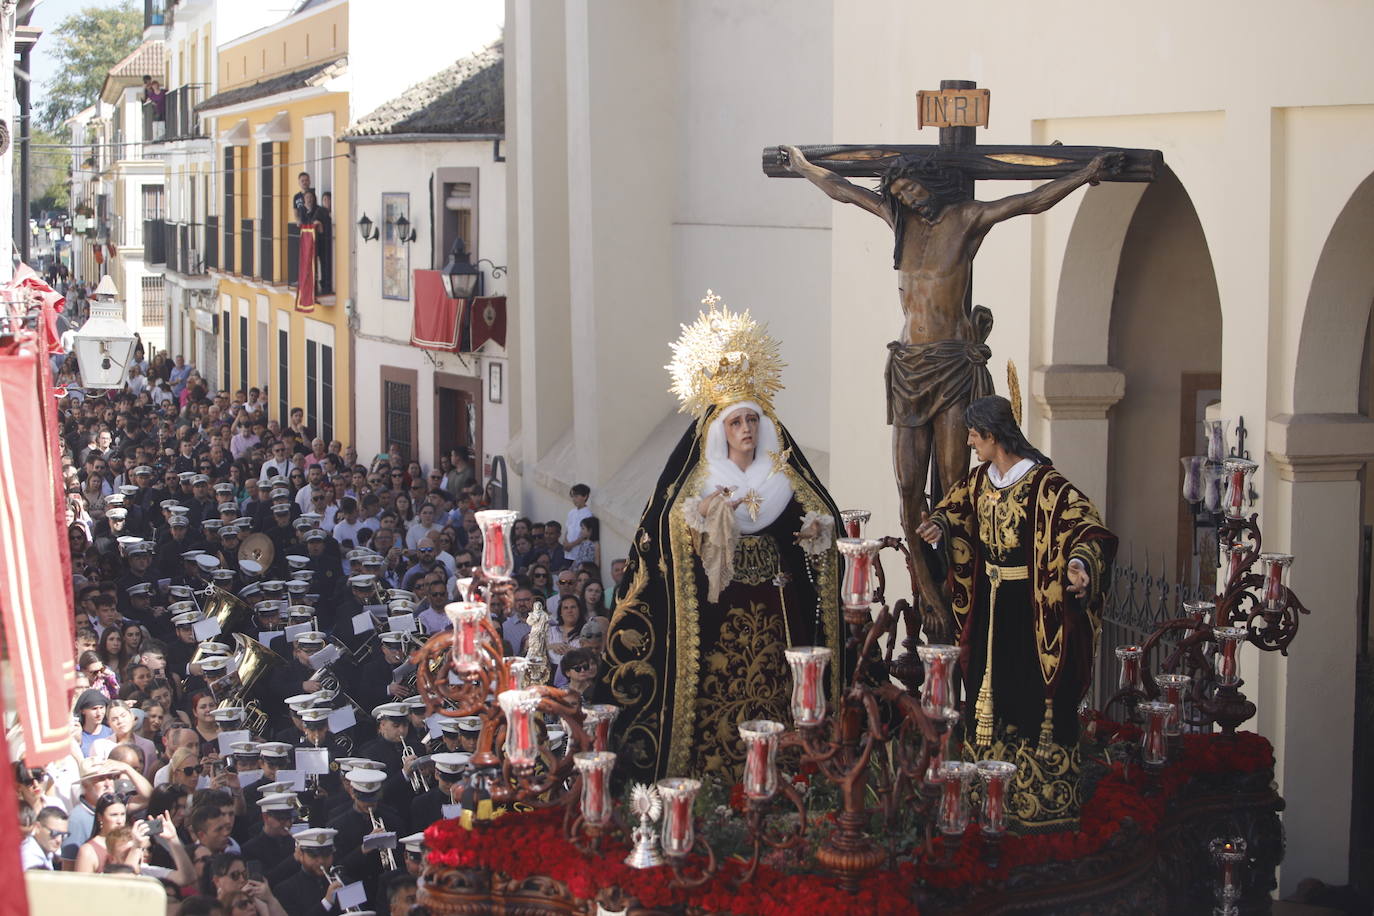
x: 193, y: 30
x: 635, y: 134
x: 430, y: 164
x: 118, y: 187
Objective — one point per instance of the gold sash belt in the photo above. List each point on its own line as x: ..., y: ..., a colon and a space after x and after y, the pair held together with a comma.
x: 996, y: 576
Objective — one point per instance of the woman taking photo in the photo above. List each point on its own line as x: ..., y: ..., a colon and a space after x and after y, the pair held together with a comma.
x: 110, y: 814
x: 226, y: 879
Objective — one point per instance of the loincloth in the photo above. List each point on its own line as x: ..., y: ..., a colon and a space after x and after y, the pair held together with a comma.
x: 924, y: 380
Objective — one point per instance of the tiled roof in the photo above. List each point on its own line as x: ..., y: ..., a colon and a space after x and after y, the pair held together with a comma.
x: 296, y: 79
x: 467, y: 98
x: 148, y: 58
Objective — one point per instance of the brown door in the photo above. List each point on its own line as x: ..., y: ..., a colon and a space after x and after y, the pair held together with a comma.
x: 458, y: 416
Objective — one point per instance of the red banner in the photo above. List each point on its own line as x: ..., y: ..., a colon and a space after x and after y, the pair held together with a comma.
x: 486, y: 321
x: 305, y: 288
x: 14, y: 902
x: 35, y: 568
x: 437, y: 318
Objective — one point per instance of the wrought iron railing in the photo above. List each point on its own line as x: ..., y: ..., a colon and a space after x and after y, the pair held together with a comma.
x: 1139, y: 599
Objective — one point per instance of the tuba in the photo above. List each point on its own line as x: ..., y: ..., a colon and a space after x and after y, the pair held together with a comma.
x: 225, y: 608
x: 252, y: 660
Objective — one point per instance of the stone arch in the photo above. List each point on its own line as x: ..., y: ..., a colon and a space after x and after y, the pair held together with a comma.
x: 1331, y: 343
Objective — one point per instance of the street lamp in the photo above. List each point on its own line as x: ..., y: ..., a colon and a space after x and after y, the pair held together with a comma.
x: 104, y: 345
x: 462, y: 278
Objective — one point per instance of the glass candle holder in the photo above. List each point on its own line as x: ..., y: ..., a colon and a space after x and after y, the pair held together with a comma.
x: 1238, y: 472
x: 947, y: 748
x: 464, y: 587
x: 467, y: 617
x: 498, y: 559
x: 808, y: 665
x: 853, y: 521
x: 760, y: 737
x: 954, y: 802
x: 597, y: 802
x: 522, y: 736
x: 1204, y: 611
x: 938, y: 698
x: 1130, y: 677
x: 1229, y: 640
x: 516, y: 666
x: 598, y: 719
x: 1214, y: 431
x: 1154, y: 744
x: 1194, y: 481
x: 1275, y: 566
x: 856, y: 590
x: 679, y: 832
x: 1172, y: 688
x: 1235, y: 562
x: 1229, y: 854
x: 1213, y: 487
x: 997, y: 775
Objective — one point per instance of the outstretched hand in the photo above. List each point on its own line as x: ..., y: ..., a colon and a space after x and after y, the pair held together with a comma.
x: 928, y: 531
x: 793, y: 158
x: 1106, y: 165
x: 1078, y: 578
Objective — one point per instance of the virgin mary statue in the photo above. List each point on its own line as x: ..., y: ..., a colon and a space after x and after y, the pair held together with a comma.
x: 734, y: 561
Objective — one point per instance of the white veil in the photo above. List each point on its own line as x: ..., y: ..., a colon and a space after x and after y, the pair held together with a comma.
x: 772, y: 486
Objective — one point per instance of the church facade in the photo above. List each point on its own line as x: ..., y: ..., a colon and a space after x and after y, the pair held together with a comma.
x: 1237, y: 284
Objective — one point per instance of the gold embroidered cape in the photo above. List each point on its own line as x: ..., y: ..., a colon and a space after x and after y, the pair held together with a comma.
x: 1041, y: 522
x: 686, y: 671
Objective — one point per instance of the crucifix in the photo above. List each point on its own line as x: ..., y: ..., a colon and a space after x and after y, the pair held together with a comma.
x: 939, y: 363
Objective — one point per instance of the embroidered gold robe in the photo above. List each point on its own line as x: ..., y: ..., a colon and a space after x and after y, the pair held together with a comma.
x: 1044, y: 639
x: 686, y: 671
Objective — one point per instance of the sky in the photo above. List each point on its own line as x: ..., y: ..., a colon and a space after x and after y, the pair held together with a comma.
x: 47, y: 16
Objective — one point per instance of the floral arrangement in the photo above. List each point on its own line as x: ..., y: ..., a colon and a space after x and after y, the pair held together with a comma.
x: 1126, y: 798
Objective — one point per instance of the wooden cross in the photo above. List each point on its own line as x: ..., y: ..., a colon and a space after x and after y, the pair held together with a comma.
x: 959, y: 108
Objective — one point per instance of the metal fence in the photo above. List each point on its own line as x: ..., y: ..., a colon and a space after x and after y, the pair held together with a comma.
x: 1140, y: 598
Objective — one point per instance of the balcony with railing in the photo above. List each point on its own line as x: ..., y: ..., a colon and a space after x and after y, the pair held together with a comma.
x: 180, y: 121
x: 182, y: 246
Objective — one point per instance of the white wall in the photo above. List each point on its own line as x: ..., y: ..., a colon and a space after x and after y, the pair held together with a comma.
x: 1265, y: 112
x: 385, y: 324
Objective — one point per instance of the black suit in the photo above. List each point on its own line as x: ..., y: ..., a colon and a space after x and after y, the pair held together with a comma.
x: 303, y: 895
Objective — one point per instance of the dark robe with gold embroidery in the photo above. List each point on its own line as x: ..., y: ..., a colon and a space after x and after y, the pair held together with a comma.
x: 1044, y: 639
x: 685, y: 671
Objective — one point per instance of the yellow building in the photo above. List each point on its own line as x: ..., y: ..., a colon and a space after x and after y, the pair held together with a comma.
x: 279, y: 106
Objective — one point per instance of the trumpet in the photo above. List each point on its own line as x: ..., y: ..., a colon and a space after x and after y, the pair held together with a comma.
x: 418, y: 782
x: 388, y: 856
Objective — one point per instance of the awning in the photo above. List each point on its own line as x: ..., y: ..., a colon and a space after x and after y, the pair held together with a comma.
x: 436, y: 321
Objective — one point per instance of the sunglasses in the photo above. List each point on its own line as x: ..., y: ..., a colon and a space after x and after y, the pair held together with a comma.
x: 582, y: 667
x: 319, y: 853
x: 192, y: 771
x: 58, y: 835
x: 237, y: 876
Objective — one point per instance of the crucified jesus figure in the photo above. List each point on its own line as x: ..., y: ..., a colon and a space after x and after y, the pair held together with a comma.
x: 939, y: 363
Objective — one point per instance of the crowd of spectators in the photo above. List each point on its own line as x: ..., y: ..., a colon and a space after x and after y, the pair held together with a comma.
x: 165, y: 482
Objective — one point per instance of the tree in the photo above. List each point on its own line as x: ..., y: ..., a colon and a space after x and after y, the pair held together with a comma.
x: 86, y: 45
x: 49, y: 161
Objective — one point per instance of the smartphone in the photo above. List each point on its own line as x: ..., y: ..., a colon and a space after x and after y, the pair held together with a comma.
x: 254, y: 870
x: 154, y: 826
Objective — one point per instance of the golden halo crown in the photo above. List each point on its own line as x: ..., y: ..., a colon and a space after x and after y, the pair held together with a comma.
x: 722, y: 358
